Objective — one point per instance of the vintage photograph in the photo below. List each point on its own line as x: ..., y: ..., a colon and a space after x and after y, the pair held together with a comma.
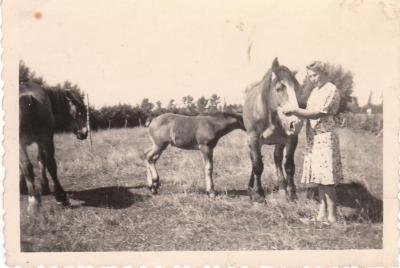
x: 233, y: 126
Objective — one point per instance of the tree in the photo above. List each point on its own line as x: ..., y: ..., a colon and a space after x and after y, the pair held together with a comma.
x: 146, y: 106
x: 201, y: 104
x: 233, y: 108
x: 158, y: 105
x: 23, y: 72
x: 214, y: 102
x: 26, y: 75
x: 188, y: 103
x: 171, y: 107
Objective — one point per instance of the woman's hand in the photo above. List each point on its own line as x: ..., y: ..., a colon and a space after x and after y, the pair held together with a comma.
x: 288, y: 110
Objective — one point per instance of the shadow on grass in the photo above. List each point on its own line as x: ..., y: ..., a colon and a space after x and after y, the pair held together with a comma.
x: 235, y: 193
x: 115, y: 197
x: 355, y: 195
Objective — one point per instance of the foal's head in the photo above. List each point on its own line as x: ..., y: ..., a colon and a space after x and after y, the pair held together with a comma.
x: 76, y: 111
x: 233, y: 120
x: 283, y: 89
x: 238, y: 120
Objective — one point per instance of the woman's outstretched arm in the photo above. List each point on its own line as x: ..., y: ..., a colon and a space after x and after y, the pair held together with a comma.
x: 303, y: 113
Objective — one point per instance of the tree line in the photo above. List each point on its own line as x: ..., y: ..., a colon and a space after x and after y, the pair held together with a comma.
x: 125, y: 115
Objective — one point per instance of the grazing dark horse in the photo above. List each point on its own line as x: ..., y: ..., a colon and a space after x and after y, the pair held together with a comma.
x: 40, y: 112
x: 200, y: 132
x: 266, y: 124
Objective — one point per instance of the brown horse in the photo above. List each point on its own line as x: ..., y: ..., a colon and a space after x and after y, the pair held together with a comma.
x: 200, y: 132
x: 266, y: 124
x: 40, y: 112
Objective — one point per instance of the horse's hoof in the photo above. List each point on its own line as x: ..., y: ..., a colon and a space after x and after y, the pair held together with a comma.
x: 292, y: 196
x: 282, y: 195
x: 64, y: 203
x: 256, y: 196
x: 34, y: 205
x: 153, y: 190
x: 212, y: 194
x: 62, y: 199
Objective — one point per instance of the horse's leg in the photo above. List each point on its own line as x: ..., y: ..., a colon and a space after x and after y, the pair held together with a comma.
x: 148, y: 170
x: 23, y: 189
x: 46, y: 149
x: 26, y: 169
x: 278, y: 157
x: 44, y: 182
x: 153, y: 179
x: 290, y: 166
x: 207, y: 156
x: 257, y: 168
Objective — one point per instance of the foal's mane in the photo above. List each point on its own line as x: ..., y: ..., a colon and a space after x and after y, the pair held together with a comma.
x: 223, y: 115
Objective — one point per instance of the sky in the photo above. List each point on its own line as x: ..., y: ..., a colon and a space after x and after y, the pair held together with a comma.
x: 124, y: 51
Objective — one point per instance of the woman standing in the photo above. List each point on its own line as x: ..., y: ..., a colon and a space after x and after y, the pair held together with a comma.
x: 322, y: 164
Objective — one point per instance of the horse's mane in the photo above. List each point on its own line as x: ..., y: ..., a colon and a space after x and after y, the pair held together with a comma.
x: 58, y: 97
x: 266, y: 79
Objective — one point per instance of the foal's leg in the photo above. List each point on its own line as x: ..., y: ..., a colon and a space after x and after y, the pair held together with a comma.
x: 44, y: 182
x: 278, y: 157
x: 290, y: 166
x: 46, y: 149
x: 26, y: 169
x: 256, y: 192
x: 153, y: 179
x: 207, y: 156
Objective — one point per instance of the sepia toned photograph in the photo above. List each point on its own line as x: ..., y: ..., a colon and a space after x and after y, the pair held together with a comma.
x: 201, y: 133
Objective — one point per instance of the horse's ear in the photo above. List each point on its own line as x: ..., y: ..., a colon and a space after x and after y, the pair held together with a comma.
x: 294, y: 72
x: 275, y: 64
x: 71, y: 96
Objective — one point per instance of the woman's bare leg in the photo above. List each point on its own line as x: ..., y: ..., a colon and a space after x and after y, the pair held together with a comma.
x: 322, y: 206
x: 330, y: 194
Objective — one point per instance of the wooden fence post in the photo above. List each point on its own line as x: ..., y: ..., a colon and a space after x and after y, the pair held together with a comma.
x: 88, y: 123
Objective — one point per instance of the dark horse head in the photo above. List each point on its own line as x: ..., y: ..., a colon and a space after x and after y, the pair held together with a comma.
x: 77, y: 112
x: 69, y: 111
x: 281, y: 88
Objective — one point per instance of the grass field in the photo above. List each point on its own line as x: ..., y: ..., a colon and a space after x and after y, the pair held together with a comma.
x: 114, y: 211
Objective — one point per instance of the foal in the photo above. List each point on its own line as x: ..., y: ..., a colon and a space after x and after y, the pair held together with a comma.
x: 200, y: 132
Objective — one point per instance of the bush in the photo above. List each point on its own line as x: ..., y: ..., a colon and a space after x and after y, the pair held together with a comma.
x: 369, y: 122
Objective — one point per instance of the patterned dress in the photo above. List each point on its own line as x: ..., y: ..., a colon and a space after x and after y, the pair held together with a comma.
x: 322, y: 164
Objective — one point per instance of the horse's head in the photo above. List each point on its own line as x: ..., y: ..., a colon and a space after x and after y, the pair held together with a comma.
x: 284, y: 90
x: 77, y: 113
